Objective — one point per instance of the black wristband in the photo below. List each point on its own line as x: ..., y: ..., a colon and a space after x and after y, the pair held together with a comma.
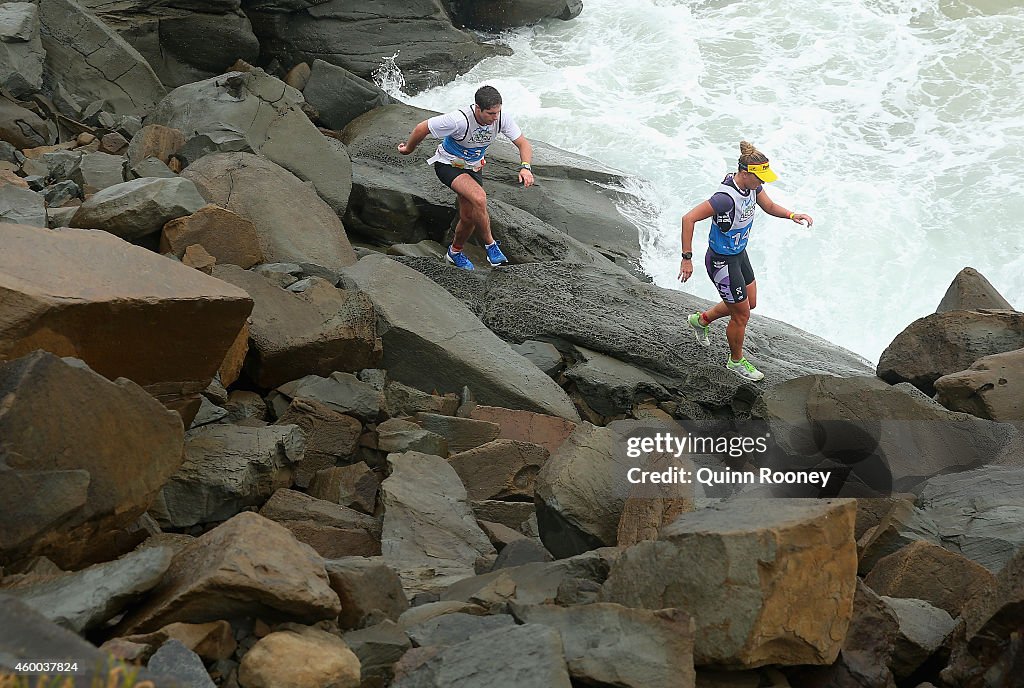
x: 687, y: 255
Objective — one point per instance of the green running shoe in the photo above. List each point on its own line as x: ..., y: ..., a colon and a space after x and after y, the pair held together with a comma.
x: 700, y: 332
x: 745, y: 369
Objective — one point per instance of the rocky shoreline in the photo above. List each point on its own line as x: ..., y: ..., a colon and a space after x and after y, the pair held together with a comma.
x: 254, y: 432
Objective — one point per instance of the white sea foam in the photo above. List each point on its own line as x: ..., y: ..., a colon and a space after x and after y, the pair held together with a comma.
x: 895, y: 123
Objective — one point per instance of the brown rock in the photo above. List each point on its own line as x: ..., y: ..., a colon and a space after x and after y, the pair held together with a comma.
x: 334, y: 531
x: 172, y: 325
x: 85, y: 138
x: 9, y: 177
x: 317, y: 332
x: 650, y: 506
x: 66, y: 490
x: 113, y: 143
x: 156, y: 141
x: 369, y: 591
x: 228, y: 237
x: 461, y: 433
x: 331, y: 437
x: 500, y: 469
x: 970, y: 291
x: 499, y: 535
x: 993, y: 388
x: 287, y: 659
x: 234, y: 359
x: 199, y: 258
x: 40, y: 151
x: 248, y: 566
x: 353, y: 486
x: 211, y: 641
x: 298, y: 75
x: 931, y: 573
x: 527, y: 426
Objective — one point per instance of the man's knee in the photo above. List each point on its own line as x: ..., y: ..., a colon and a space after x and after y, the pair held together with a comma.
x: 740, y: 314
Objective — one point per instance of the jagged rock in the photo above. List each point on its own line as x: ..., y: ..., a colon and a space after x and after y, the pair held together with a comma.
x: 287, y: 659
x: 418, y: 319
x: 970, y: 291
x: 892, y: 438
x: 526, y: 426
x: 902, y: 525
x: 945, y: 343
x: 542, y: 354
x: 510, y: 14
x: 80, y: 51
x: 331, y: 437
x: 360, y: 38
x: 501, y: 535
x: 507, y: 657
x: 248, y: 566
x: 872, y: 510
x: 21, y: 127
x: 252, y: 112
x: 500, y: 469
x: 978, y: 513
x: 98, y: 171
x: 21, y: 50
x: 132, y: 210
x: 369, y: 590
x: 430, y: 537
x: 340, y: 96
x: 581, y: 491
x: 228, y: 468
x: 114, y: 143
x: 353, y: 486
x: 291, y: 221
x: 343, y: 392
x: 333, y: 530
x: 396, y: 436
x: 571, y: 196
x: 867, y: 649
x: 991, y: 388
x: 510, y: 514
x: 319, y: 331
x: 22, y: 206
x: 461, y: 434
x: 242, y: 404
x: 175, y: 660
x: 923, y: 629
x: 183, y: 41
x: 67, y: 491
x: 931, y: 573
x: 87, y: 599
x: 378, y: 648
x: 198, y: 258
x: 770, y: 557
x: 403, y: 400
x: 228, y: 237
x: 613, y: 645
x: 60, y: 193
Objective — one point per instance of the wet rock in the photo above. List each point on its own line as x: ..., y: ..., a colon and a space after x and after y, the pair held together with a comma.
x: 339, y: 95
x: 509, y: 14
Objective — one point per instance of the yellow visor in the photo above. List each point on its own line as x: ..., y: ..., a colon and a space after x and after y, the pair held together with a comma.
x: 763, y: 172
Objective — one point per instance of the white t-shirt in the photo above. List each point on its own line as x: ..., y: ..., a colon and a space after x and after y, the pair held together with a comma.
x: 476, y: 136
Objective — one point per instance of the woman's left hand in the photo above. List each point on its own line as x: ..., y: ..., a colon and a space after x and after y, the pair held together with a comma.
x: 526, y: 177
x: 803, y: 219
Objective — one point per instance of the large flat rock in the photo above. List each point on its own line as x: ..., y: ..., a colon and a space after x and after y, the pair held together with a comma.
x: 432, y: 341
x: 125, y: 311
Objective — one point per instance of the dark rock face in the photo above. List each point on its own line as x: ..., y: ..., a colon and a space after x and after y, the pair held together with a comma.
x: 359, y: 36
x: 340, y: 96
x: 508, y: 14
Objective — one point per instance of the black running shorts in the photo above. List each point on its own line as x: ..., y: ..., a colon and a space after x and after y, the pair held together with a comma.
x: 447, y: 174
x: 731, y: 274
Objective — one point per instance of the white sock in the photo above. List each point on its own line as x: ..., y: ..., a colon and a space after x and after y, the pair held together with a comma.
x: 490, y: 244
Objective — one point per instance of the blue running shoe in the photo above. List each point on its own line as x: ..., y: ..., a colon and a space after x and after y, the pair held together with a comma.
x: 459, y: 259
x: 494, y: 255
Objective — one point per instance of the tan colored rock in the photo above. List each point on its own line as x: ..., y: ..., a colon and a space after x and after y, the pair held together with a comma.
x: 527, y: 426
x: 331, y: 437
x: 970, y: 291
x: 66, y: 488
x: 651, y: 506
x: 234, y: 359
x: 768, y: 581
x: 164, y: 326
x: 156, y: 141
x: 317, y: 332
x: 211, y: 641
x: 500, y: 469
x: 9, y: 177
x: 248, y: 566
x: 353, y: 486
x: 229, y: 237
x: 84, y: 139
x: 113, y: 143
x: 298, y: 75
x: 928, y: 572
x: 198, y: 258
x: 993, y: 388
x: 334, y: 531
x: 310, y: 659
x: 40, y: 151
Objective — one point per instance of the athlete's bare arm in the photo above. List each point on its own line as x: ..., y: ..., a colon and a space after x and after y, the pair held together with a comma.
x: 776, y: 210
x: 419, y: 132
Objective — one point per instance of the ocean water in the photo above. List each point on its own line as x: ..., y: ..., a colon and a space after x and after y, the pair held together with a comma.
x: 897, y: 124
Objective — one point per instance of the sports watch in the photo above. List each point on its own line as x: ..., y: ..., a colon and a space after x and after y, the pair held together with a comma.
x: 687, y: 255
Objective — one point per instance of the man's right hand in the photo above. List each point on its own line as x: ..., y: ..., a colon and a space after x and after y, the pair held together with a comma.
x: 404, y: 148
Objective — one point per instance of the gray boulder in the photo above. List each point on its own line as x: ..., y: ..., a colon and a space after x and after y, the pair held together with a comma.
x: 970, y: 291
x: 378, y: 648
x: 23, y: 128
x: 228, y: 468
x: 455, y: 628
x: 418, y: 319
x: 132, y: 210
x: 570, y: 196
x: 342, y: 392
x: 370, y: 591
x: 81, y: 52
x: 86, y: 599
x: 98, y: 171
x: 542, y: 354
x: 292, y: 223
x: 430, y: 537
x: 395, y: 436
x: 176, y: 660
x: 509, y: 14
x: 923, y: 629
x: 252, y: 112
x: 183, y: 41
x: 340, y: 96
x: 417, y: 34
x: 21, y: 206
x: 21, y: 50
x: 611, y: 387
x: 948, y: 342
